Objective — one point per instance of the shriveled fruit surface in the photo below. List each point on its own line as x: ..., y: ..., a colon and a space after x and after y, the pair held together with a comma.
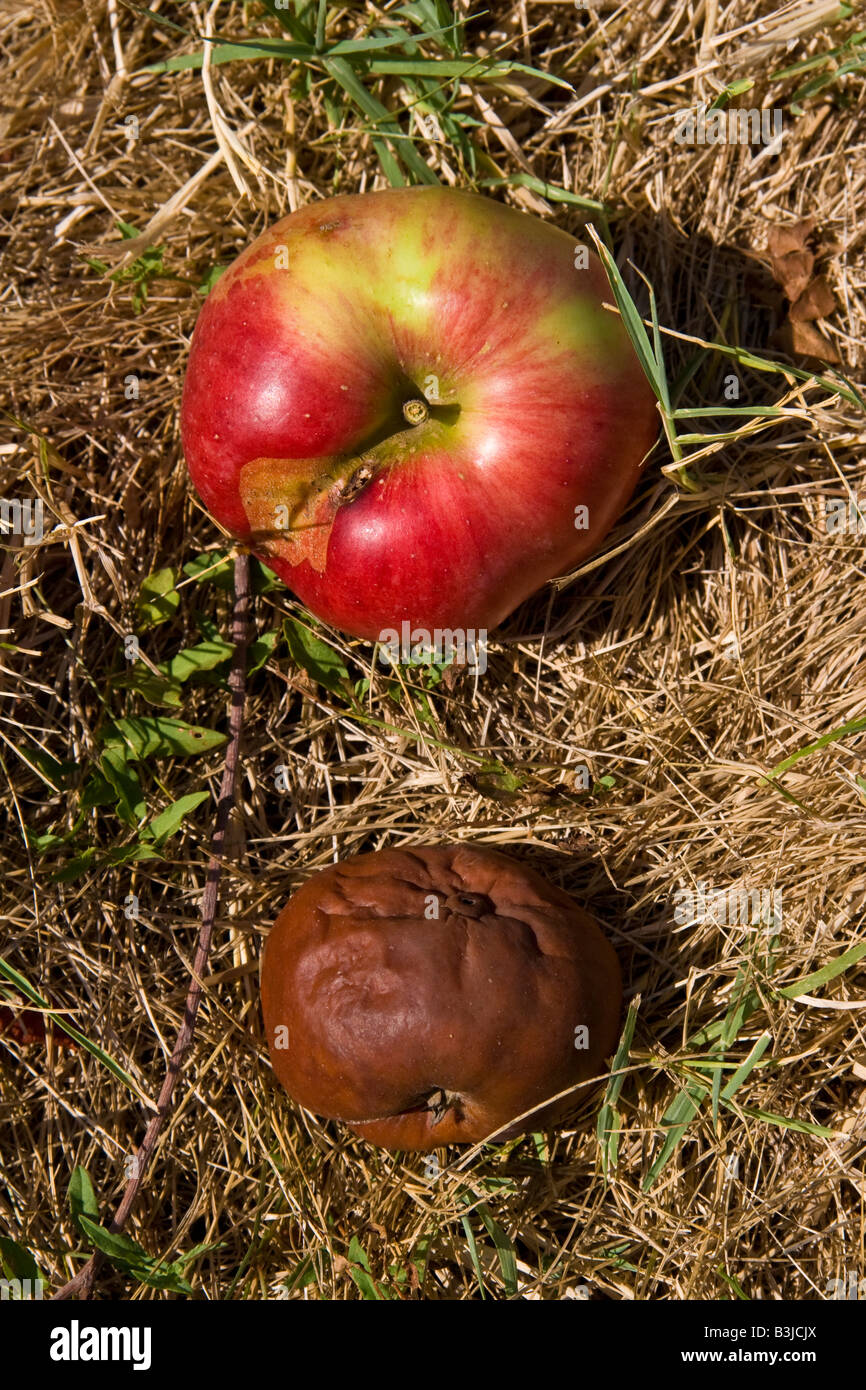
x: 432, y: 996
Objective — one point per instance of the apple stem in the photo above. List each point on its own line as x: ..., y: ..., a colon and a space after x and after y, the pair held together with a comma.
x: 415, y: 412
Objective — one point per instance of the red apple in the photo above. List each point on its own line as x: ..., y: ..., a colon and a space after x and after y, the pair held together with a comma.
x: 413, y: 406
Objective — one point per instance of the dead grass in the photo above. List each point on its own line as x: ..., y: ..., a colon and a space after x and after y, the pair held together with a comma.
x: 727, y: 634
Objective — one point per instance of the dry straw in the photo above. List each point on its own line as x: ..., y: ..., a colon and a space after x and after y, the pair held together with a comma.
x: 720, y: 635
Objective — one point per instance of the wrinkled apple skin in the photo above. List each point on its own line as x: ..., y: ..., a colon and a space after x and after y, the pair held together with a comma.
x: 431, y: 995
x: 309, y: 347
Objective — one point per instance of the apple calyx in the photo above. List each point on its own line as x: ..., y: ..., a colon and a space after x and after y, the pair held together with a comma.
x: 470, y: 904
x: 415, y: 412
x: 440, y: 1102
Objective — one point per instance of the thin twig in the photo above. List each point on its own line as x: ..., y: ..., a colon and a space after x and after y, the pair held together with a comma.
x: 82, y: 1284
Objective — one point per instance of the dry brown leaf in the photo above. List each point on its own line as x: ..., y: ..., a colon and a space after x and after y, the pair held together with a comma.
x: 783, y: 240
x: 816, y: 301
x: 793, y: 272
x: 802, y: 339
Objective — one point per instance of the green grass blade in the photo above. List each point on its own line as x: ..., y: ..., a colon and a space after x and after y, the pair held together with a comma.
x: 831, y: 971
x: 854, y: 726
x: 847, y: 390
x: 94, y: 1049
x: 745, y: 1069
x: 379, y: 42
x: 466, y: 69
x: 232, y: 53
x: 473, y: 1253
x: 809, y: 63
x: 607, y: 1126
x: 730, y: 1280
x: 631, y: 319
x: 504, y: 1250
x: 545, y: 190
x: 321, y: 18
x: 678, y: 1117
x: 783, y: 1121
x: 342, y: 71
x: 290, y: 22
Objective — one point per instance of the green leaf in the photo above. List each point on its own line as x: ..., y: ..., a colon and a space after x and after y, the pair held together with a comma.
x: 773, y: 411
x: 745, y: 358
x: 290, y: 21
x: 504, y: 1249
x: 476, y: 69
x: 131, y: 806
x: 76, y: 867
x: 731, y: 1281
x: 359, y: 1273
x: 261, y: 651
x: 156, y: 689
x: 112, y: 1243
x: 172, y: 817
x: 384, y: 125
x: 158, y: 599
x: 167, y: 1277
x: 357, y: 1255
x: 132, y: 1259
x: 368, y: 1286
x: 88, y: 862
x: 20, y: 983
x: 234, y: 52
x: 264, y: 580
x: 317, y: 658
x: 429, y: 13
x: 210, y: 279
x: 380, y: 42
x: 836, y: 967
x: 203, y: 657
x: 81, y: 1196
x: 17, y: 1262
x: 97, y: 791
x: 153, y: 736
x: 302, y: 1275
x: 214, y: 567
x: 733, y: 89
x: 41, y: 844
x: 820, y: 59
x: 53, y: 773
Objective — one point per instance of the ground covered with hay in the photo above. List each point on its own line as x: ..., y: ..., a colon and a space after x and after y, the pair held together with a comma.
x: 675, y: 734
